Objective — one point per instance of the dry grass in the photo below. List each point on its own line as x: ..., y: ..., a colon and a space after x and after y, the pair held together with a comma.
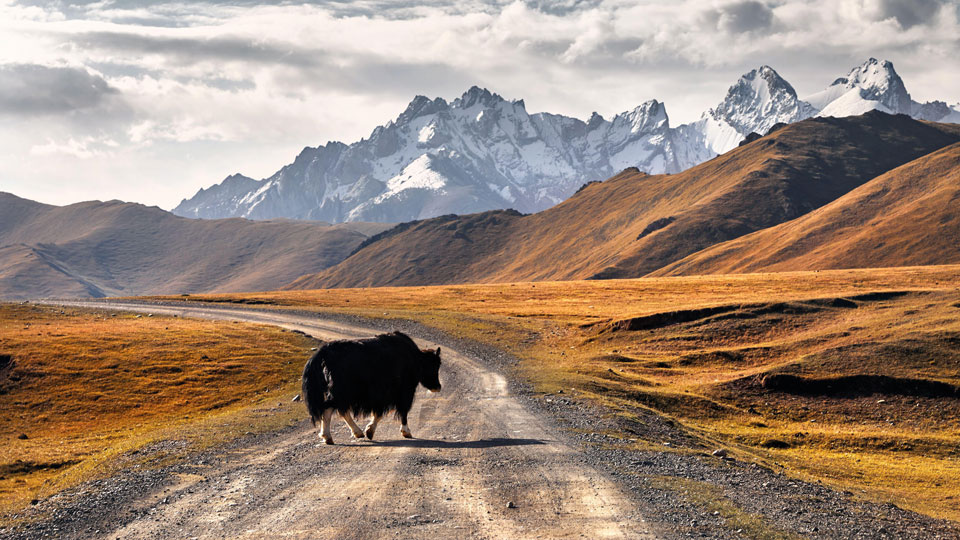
x: 906, y: 216
x: 87, y: 386
x: 706, y: 369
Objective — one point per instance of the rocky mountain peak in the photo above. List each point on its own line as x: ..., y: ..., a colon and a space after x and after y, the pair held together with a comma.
x: 647, y: 117
x: 595, y: 120
x: 421, y: 106
x: 237, y: 177
x: 878, y: 81
x: 773, y: 79
x: 482, y: 152
x: 758, y: 100
x: 476, y: 95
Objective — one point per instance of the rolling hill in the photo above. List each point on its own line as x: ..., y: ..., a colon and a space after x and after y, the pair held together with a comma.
x: 634, y: 224
x: 94, y: 249
x: 906, y: 217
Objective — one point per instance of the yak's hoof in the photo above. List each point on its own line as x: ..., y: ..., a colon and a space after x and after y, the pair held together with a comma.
x: 328, y: 440
x: 369, y: 434
x: 358, y: 435
x: 406, y: 434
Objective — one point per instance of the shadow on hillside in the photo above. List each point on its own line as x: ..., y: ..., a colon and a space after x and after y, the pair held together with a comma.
x: 481, y: 443
x: 859, y: 385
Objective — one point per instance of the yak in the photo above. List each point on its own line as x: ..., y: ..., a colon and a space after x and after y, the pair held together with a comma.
x: 370, y: 376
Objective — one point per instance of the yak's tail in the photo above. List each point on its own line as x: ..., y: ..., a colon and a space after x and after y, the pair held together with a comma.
x: 314, y: 388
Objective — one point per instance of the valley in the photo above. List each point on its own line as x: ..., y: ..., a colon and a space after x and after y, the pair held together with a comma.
x: 716, y: 340
x: 666, y: 481
x: 698, y: 349
x: 96, y: 249
x: 620, y: 270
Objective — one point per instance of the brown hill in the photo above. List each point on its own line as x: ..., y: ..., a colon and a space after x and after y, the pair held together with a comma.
x: 25, y: 272
x: 909, y: 216
x: 634, y: 224
x: 115, y: 248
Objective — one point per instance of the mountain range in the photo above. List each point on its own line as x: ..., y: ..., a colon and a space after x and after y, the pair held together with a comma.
x: 112, y: 248
x: 869, y: 190
x: 482, y: 152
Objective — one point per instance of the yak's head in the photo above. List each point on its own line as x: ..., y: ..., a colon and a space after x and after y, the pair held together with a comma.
x: 430, y: 369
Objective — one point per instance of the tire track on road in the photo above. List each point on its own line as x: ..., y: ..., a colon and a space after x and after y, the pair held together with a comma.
x: 477, y: 448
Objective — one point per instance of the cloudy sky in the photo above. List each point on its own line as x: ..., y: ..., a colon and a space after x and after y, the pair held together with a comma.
x: 149, y: 101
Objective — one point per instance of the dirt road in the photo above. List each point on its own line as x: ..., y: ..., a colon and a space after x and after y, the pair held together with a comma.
x: 481, y: 466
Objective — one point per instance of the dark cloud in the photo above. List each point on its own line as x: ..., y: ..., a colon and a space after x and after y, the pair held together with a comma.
x: 741, y: 17
x: 562, y: 7
x: 30, y: 89
x: 910, y: 13
x: 298, y: 68
x: 379, y: 76
x: 185, y: 51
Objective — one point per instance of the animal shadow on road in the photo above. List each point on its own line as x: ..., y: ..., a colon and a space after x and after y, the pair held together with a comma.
x: 481, y: 443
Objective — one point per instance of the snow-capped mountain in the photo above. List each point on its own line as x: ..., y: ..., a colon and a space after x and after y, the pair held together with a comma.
x: 476, y: 153
x: 875, y: 85
x: 482, y: 152
x: 759, y: 100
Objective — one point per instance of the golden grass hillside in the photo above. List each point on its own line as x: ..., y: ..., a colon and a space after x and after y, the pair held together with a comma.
x: 80, y: 387
x: 908, y: 216
x: 850, y: 377
x: 634, y: 224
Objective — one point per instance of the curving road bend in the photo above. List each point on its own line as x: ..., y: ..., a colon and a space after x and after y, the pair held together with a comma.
x: 481, y: 466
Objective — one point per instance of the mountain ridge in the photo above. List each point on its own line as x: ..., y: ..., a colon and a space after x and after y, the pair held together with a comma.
x: 94, y: 249
x: 633, y: 223
x: 481, y: 151
x: 870, y: 227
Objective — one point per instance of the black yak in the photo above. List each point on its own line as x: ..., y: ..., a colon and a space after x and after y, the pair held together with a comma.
x: 367, y: 376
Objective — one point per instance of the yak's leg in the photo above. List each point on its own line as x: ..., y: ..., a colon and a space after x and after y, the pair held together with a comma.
x: 354, y: 428
x: 404, y: 428
x: 372, y: 426
x: 325, y: 426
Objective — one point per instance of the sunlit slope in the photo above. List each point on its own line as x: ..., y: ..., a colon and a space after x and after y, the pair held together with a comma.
x: 908, y: 216
x: 851, y: 377
x: 634, y: 224
x: 80, y: 387
x: 109, y: 248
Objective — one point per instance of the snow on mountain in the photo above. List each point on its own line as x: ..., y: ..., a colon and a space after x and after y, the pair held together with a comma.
x: 225, y: 199
x: 875, y: 85
x: 476, y: 153
x: 759, y: 100
x: 482, y: 152
x: 952, y: 117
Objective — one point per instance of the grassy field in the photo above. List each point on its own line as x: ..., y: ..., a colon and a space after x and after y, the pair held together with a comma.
x: 78, y: 388
x: 849, y: 377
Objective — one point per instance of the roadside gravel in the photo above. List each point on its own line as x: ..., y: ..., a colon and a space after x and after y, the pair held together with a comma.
x: 689, y: 492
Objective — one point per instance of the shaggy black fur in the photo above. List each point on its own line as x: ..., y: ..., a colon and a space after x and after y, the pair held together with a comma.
x: 369, y: 376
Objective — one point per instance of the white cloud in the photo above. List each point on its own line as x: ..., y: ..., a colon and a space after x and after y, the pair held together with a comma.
x: 85, y: 148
